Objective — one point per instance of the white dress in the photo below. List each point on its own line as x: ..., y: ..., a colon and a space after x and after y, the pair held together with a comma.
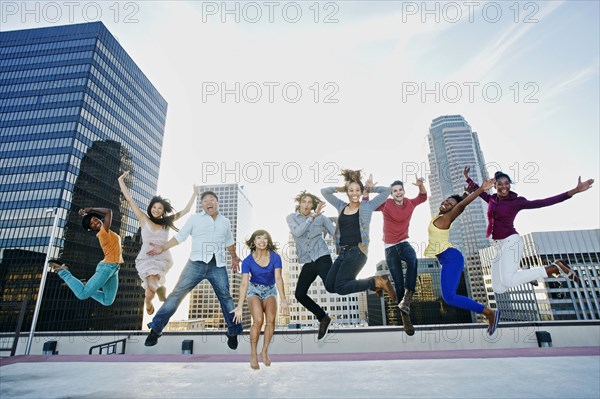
x: 148, y: 265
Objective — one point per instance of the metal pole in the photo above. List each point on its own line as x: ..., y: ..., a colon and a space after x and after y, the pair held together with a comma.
x: 38, y: 302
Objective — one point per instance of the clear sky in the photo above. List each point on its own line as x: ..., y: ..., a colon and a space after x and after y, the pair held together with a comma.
x: 279, y: 96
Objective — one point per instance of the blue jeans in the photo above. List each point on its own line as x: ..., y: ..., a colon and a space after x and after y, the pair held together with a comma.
x: 341, y: 278
x: 260, y: 291
x: 453, y: 263
x: 394, y: 256
x: 193, y: 273
x: 102, y: 286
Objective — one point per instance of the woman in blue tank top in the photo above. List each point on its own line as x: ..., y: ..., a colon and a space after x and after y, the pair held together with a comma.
x: 261, y: 273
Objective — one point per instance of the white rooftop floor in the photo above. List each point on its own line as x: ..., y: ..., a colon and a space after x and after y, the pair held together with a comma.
x: 497, y: 377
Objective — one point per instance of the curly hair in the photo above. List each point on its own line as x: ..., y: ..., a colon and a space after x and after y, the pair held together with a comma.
x: 298, y: 199
x: 270, y: 245
x: 166, y: 220
x: 352, y: 176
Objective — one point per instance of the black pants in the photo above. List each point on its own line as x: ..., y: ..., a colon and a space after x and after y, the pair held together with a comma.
x: 308, y: 274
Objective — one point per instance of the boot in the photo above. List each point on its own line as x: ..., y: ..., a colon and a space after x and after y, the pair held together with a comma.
x: 404, y: 306
x: 383, y: 283
x: 406, y: 301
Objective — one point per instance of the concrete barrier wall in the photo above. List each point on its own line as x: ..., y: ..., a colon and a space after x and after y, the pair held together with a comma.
x: 358, y: 340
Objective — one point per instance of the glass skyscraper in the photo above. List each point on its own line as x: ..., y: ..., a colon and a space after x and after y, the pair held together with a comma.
x: 452, y: 146
x: 75, y: 113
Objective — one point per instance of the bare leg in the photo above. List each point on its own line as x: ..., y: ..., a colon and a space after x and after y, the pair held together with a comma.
x: 152, y: 282
x: 256, y: 310
x: 270, y: 308
x: 148, y: 301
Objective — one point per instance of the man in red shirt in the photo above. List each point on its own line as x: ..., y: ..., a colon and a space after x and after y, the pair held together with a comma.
x: 397, y: 212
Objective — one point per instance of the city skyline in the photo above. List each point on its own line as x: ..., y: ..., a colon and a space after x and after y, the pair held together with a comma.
x: 67, y: 134
x: 377, y: 61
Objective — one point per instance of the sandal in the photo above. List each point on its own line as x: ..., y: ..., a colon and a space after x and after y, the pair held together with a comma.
x: 149, y: 308
x: 571, y: 275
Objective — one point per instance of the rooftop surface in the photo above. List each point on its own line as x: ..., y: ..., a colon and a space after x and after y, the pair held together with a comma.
x: 572, y: 372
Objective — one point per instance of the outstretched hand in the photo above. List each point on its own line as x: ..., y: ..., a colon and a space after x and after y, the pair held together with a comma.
x: 319, y: 209
x: 488, y: 184
x: 196, y: 189
x: 466, y: 171
x: 369, y: 183
x: 419, y: 183
x: 123, y: 176
x: 583, y: 186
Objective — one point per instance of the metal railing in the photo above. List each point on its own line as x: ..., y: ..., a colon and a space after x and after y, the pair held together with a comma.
x: 15, y: 338
x: 110, y: 347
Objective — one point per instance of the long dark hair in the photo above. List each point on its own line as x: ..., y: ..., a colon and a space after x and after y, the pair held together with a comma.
x: 166, y: 221
x: 352, y: 176
x: 270, y: 245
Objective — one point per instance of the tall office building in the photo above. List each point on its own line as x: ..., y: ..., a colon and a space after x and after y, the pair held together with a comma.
x: 554, y: 298
x: 452, y: 146
x: 343, y: 309
x: 235, y: 206
x: 75, y: 113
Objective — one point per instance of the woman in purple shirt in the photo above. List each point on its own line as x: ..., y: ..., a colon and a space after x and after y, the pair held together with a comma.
x: 261, y: 273
x: 502, y: 210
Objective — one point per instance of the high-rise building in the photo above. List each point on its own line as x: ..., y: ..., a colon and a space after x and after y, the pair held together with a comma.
x: 235, y: 206
x: 75, y: 113
x: 554, y: 298
x: 452, y: 146
x: 343, y: 309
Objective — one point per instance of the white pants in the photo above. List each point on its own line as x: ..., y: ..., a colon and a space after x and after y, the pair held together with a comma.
x: 505, y: 265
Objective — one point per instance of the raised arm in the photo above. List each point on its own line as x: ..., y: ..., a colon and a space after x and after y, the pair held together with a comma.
x: 383, y: 192
x: 328, y: 192
x: 139, y: 214
x: 460, y: 207
x: 421, y: 184
x: 581, y: 186
x: 474, y: 186
x: 189, y: 205
x: 107, y: 213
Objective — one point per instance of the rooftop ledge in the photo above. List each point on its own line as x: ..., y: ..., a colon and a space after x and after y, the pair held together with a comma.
x: 448, y: 361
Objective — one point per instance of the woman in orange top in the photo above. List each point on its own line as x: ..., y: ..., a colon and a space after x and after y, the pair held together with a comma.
x: 103, y: 285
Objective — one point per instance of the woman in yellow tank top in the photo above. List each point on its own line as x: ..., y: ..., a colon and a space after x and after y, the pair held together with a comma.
x: 451, y: 259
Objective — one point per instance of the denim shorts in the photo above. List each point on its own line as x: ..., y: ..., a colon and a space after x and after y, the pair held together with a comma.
x: 261, y: 291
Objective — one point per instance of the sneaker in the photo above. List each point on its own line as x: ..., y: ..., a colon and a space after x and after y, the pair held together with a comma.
x: 324, y: 326
x: 152, y: 338
x: 232, y: 341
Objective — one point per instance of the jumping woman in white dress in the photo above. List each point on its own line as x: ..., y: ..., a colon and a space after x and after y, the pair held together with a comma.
x: 155, y: 229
